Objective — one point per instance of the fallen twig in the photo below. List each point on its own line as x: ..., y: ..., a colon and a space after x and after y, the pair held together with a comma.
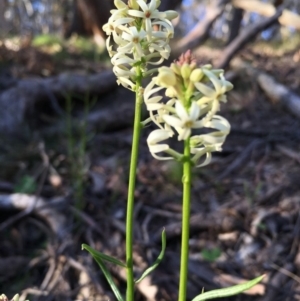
x: 241, y: 159
x: 201, y: 31
x: 245, y: 37
x: 32, y: 204
x: 17, y: 101
x: 276, y: 92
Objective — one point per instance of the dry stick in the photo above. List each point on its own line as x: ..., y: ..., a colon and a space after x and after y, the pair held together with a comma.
x: 288, y: 18
x: 277, y: 282
x: 85, y: 268
x: 289, y: 152
x: 271, y: 194
x: 201, y: 31
x: 241, y: 159
x: 17, y: 101
x: 235, y: 25
x: 219, y: 221
x: 247, y: 35
x: 278, y: 93
x: 37, y: 205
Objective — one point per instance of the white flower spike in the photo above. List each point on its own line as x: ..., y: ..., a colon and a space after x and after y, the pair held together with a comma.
x: 194, y: 94
x: 141, y: 34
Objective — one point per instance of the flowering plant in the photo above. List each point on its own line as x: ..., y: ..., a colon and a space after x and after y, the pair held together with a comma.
x: 192, y: 104
x: 138, y: 41
x: 4, y: 298
x: 141, y: 34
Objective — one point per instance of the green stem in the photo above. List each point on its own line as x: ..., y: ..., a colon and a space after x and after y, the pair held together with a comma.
x: 185, y: 221
x: 131, y: 189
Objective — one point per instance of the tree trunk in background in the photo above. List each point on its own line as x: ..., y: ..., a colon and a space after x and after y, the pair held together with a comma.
x: 288, y: 18
x: 200, y: 32
x: 247, y: 35
x: 88, y: 18
x: 3, y: 23
x: 235, y: 24
x: 169, y: 4
x: 90, y: 15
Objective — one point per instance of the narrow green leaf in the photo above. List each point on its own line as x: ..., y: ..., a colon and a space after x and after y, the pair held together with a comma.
x: 159, y: 258
x: 228, y: 291
x: 107, y: 274
x: 109, y: 279
x: 102, y: 256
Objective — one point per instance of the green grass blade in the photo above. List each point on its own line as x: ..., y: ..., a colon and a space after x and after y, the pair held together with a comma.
x: 99, y: 259
x: 159, y: 258
x: 228, y: 291
x: 102, y: 256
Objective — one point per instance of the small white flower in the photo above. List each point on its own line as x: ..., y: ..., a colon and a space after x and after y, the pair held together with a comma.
x: 211, y: 97
x: 148, y: 12
x: 185, y: 121
x: 109, y: 47
x: 153, y: 142
x: 122, y: 59
x: 161, y: 47
x: 119, y: 4
x: 149, y: 58
x: 166, y: 77
x: 117, y: 21
x: 135, y: 39
x: 221, y: 86
x: 207, y: 143
x: 126, y: 83
x: 152, y: 102
x: 158, y: 119
x: 165, y: 30
x: 123, y: 71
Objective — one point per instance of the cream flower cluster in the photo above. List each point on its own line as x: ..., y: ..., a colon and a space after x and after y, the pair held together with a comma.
x: 139, y: 34
x: 4, y: 298
x: 193, y: 99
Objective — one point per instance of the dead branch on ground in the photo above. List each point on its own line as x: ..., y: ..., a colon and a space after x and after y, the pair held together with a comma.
x: 278, y: 93
x: 38, y: 206
x: 18, y: 100
x: 244, y: 38
x: 288, y: 18
x: 200, y: 32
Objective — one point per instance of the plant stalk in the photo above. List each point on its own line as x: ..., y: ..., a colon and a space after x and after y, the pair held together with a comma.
x: 186, y: 204
x: 131, y: 189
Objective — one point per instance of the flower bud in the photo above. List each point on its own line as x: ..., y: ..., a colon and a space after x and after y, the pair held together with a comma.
x: 185, y: 71
x: 196, y: 75
x: 218, y: 72
x: 171, y: 92
x: 176, y: 68
x: 119, y: 4
x: 171, y: 14
x: 166, y: 77
x: 133, y: 4
x: 16, y: 298
x: 207, y: 66
x: 227, y: 86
